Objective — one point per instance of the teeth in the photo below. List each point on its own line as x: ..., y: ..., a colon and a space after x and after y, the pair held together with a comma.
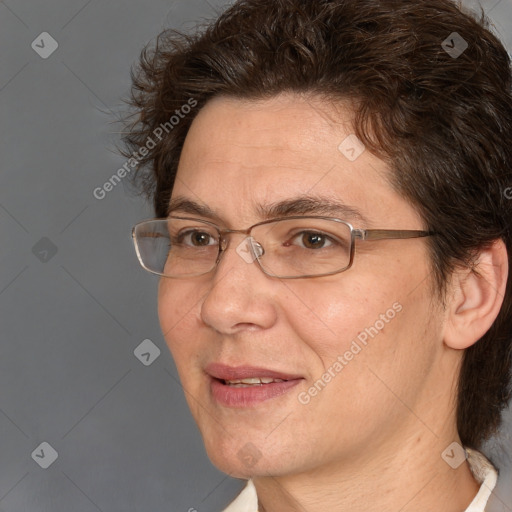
x: 268, y: 380
x: 253, y: 381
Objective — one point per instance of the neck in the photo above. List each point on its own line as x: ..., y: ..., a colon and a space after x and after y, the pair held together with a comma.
x: 410, y: 477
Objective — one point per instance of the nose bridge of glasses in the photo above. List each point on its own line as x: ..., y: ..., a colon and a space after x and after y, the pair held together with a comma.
x: 248, y: 249
x: 224, y: 240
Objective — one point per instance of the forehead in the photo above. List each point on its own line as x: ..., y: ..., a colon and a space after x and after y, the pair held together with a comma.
x: 241, y: 154
x: 287, y: 128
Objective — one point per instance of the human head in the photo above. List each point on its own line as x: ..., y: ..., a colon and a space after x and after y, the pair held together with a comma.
x: 441, y: 123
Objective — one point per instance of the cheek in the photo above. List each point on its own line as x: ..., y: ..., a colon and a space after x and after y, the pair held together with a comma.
x: 177, y: 305
x: 373, y: 322
x: 364, y: 345
x: 329, y: 315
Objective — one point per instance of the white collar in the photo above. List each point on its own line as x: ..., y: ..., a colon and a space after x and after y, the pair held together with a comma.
x: 483, y: 471
x: 485, y: 474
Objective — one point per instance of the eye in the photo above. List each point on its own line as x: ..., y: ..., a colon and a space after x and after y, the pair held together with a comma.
x: 196, y: 238
x: 313, y: 240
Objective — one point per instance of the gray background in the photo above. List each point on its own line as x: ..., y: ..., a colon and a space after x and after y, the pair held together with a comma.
x: 74, y: 304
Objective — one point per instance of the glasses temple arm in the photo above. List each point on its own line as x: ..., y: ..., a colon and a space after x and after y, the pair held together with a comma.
x: 381, y: 234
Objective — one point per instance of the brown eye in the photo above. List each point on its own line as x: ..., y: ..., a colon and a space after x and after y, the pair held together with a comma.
x: 313, y: 240
x: 200, y: 239
x: 195, y: 238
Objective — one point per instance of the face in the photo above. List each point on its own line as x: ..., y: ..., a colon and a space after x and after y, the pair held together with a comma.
x: 351, y: 348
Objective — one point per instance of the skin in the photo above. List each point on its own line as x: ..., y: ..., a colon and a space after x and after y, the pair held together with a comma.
x: 372, y: 439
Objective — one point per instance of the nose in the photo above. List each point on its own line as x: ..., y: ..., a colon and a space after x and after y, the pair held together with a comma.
x: 240, y: 295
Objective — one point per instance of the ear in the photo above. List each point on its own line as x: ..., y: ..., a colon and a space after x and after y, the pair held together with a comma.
x: 476, y: 297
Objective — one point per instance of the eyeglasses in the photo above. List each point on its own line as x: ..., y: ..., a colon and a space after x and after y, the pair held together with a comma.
x: 287, y: 248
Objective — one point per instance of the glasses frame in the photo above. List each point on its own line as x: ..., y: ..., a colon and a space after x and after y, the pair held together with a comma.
x: 355, y: 234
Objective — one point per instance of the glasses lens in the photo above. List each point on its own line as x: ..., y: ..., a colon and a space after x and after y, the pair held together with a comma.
x: 177, y: 247
x: 304, y: 247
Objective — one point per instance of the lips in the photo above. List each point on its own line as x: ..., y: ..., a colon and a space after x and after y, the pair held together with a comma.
x: 227, y: 373
x: 247, y: 386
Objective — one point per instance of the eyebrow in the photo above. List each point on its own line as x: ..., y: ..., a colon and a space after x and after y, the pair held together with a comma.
x: 302, y: 205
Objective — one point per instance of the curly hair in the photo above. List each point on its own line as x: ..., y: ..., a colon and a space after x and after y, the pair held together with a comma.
x: 442, y: 120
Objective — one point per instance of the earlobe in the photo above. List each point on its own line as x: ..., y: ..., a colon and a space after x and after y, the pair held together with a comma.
x: 476, y: 297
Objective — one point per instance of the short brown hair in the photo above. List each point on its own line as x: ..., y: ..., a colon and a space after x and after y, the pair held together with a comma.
x: 442, y: 121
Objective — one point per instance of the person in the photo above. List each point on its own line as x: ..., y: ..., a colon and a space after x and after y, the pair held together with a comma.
x: 331, y: 183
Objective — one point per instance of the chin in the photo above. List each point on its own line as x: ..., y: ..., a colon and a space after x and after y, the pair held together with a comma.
x: 230, y: 464
x: 246, y: 470
x: 243, y: 459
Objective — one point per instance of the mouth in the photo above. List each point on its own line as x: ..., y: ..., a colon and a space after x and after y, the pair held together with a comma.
x: 247, y: 386
x: 254, y: 381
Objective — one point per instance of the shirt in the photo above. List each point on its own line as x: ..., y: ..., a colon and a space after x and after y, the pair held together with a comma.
x: 483, y: 471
